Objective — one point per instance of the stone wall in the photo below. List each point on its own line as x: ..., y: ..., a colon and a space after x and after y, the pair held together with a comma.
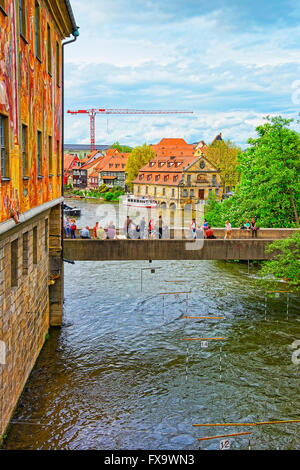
x: 24, y: 304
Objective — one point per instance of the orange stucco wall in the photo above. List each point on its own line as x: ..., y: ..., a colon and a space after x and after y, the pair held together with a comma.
x: 29, y: 95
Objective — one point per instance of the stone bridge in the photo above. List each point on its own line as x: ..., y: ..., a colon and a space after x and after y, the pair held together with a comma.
x: 240, y: 247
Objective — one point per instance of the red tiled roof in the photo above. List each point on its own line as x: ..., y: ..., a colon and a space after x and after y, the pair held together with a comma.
x: 86, y: 166
x: 115, y: 162
x: 68, y: 160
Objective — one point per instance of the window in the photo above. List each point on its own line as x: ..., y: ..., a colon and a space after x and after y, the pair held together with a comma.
x: 37, y: 31
x: 49, y: 49
x: 22, y: 19
x: 192, y: 193
x: 39, y: 154
x: 202, y: 164
x: 25, y: 151
x: 138, y: 189
x: 50, y: 155
x: 155, y: 191
x: 3, y: 147
x: 141, y: 177
x: 214, y: 180
x: 146, y: 191
x: 156, y: 177
x: 25, y: 254
x: 173, y: 192
x: 217, y: 192
x: 166, y: 178
x: 58, y: 158
x: 34, y: 245
x: 164, y: 191
x: 175, y: 178
x: 185, y: 193
x: 14, y: 263
x: 149, y: 177
x: 57, y: 64
x: 46, y: 234
x: 188, y: 179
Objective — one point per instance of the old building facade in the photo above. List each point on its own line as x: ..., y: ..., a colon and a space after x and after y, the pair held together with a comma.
x: 175, y: 180
x: 31, y: 34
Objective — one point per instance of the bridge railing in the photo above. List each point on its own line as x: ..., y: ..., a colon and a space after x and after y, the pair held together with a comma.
x: 181, y: 233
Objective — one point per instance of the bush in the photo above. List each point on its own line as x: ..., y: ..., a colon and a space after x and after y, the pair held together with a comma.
x: 108, y: 196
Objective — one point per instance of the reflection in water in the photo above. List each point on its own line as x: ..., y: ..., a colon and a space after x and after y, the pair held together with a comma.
x: 113, y: 377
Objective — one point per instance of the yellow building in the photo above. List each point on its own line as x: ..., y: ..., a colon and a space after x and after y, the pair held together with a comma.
x: 177, y: 181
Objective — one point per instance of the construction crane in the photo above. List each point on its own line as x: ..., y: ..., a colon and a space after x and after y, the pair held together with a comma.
x: 92, y: 113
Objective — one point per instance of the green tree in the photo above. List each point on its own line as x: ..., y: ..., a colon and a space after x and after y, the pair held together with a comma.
x: 136, y: 160
x: 224, y: 155
x: 121, y: 148
x: 284, y: 266
x: 269, y: 184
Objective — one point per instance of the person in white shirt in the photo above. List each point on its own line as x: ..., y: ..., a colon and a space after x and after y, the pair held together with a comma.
x: 227, y: 230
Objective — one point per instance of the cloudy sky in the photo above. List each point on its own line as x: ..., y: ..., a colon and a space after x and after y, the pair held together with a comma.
x: 231, y: 62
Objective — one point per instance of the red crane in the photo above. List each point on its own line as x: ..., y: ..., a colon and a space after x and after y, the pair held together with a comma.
x: 92, y: 113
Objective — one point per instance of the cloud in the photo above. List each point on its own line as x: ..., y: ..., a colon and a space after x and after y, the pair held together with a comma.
x: 231, y: 63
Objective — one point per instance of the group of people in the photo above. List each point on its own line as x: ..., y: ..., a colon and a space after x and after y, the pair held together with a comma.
x: 151, y: 230
x: 146, y: 230
x: 204, y: 231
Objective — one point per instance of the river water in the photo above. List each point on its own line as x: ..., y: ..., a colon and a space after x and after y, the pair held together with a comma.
x: 118, y: 374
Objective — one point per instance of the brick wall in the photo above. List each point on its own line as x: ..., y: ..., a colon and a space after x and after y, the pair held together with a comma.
x: 24, y: 308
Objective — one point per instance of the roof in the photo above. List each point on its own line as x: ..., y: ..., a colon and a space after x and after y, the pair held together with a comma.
x: 68, y: 160
x: 88, y: 165
x: 115, y: 162
x: 108, y: 177
x: 82, y: 147
x: 218, y: 138
x: 174, y: 147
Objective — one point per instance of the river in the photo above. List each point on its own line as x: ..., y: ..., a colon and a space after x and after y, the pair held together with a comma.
x: 116, y: 375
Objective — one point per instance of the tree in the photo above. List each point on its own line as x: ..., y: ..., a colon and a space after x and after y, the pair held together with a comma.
x: 284, y: 266
x: 121, y: 148
x: 269, y: 184
x: 224, y: 155
x: 136, y: 160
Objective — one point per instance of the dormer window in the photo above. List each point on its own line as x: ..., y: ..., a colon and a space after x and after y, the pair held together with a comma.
x: 160, y: 164
x: 177, y: 164
x: 151, y: 164
x: 170, y: 164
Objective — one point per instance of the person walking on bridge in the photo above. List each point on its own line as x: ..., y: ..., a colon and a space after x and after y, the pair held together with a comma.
x: 227, y: 230
x: 160, y: 227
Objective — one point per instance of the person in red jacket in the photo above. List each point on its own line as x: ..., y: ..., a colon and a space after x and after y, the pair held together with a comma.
x: 209, y: 233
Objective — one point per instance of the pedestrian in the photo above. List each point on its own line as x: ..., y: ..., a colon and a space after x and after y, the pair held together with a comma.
x: 101, y: 235
x: 160, y: 227
x: 205, y: 225
x: 127, y: 225
x: 209, y: 233
x: 84, y: 233
x: 193, y: 228
x: 199, y: 232
x: 227, y: 230
x: 73, y: 228
x: 111, y: 231
x: 137, y: 232
x: 142, y: 227
x: 253, y: 228
x: 150, y: 228
x: 95, y: 229
x: 247, y: 224
x: 67, y: 226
